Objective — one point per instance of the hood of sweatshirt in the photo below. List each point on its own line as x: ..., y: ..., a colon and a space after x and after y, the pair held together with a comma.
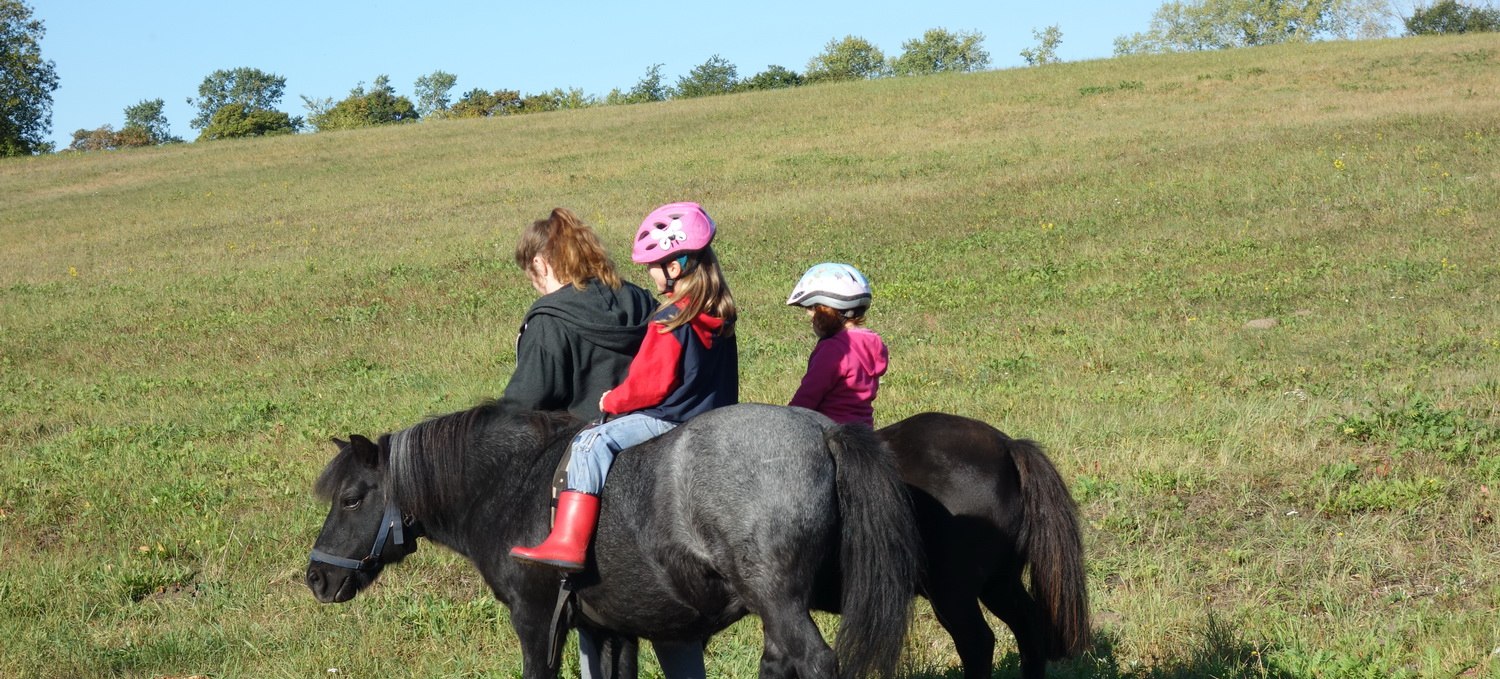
x: 612, y: 319
x: 867, y: 348
x: 705, y: 327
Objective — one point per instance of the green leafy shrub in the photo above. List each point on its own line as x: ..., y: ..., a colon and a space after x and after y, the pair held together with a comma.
x: 1450, y: 16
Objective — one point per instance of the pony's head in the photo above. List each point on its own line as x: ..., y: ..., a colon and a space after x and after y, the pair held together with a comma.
x: 364, y: 530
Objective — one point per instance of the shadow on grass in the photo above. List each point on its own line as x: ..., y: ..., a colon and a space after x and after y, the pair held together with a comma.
x: 1218, y: 652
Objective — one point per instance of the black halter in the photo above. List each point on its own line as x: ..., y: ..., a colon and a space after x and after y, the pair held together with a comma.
x: 391, y: 528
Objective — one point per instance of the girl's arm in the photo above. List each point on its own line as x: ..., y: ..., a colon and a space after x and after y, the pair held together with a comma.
x: 822, y: 374
x: 653, y: 374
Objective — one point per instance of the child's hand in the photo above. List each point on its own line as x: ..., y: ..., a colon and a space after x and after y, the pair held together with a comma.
x: 601, y: 399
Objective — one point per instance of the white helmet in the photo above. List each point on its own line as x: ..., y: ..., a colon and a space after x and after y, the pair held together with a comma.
x: 838, y: 286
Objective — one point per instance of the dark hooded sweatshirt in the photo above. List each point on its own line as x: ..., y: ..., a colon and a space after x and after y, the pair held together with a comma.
x: 575, y: 344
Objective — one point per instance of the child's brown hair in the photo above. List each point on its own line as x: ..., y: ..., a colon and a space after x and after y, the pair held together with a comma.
x: 828, y: 321
x: 702, y: 284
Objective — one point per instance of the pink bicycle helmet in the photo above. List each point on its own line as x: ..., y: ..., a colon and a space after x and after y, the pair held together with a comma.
x: 672, y: 230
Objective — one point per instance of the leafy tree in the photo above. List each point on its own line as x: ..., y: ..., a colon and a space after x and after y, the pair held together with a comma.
x: 379, y: 106
x: 105, y: 138
x: 145, y: 125
x: 477, y: 103
x: 385, y: 106
x: 148, y: 117
x: 1221, y: 24
x: 432, y: 93
x: 648, y: 88
x: 556, y: 99
x: 1361, y: 19
x: 254, y: 89
x: 239, y: 120
x: 26, y: 82
x: 316, y: 107
x: 940, y: 50
x: 1450, y: 16
x: 715, y: 76
x: 774, y: 77
x: 852, y: 58
x: 1045, y: 51
x: 100, y: 139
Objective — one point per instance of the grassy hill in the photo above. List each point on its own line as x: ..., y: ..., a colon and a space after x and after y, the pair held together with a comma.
x: 1070, y: 252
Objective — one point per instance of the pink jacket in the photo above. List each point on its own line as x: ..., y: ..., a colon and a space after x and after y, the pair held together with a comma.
x: 843, y: 375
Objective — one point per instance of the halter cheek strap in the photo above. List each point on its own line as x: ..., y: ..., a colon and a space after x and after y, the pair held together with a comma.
x: 391, y: 528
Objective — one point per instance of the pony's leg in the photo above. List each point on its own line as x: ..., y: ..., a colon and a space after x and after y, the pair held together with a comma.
x: 956, y: 605
x: 1008, y: 599
x: 680, y: 659
x: 606, y: 656
x: 957, y: 569
x: 794, y: 647
x: 533, y: 626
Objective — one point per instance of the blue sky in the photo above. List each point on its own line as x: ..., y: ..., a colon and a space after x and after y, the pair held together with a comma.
x: 112, y: 54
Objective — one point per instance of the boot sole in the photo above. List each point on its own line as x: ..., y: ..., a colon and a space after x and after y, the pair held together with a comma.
x: 565, y: 566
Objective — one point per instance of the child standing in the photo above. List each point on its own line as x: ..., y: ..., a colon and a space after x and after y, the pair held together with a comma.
x: 843, y: 372
x: 688, y: 364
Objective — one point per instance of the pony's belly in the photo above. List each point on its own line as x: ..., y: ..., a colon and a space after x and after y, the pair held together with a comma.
x: 628, y: 605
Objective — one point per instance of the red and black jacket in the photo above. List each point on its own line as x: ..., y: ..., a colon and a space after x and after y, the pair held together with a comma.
x: 678, y: 374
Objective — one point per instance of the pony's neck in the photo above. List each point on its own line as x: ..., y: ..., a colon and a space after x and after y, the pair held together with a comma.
x: 481, y: 487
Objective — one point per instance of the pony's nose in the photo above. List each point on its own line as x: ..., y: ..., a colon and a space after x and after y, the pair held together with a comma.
x: 314, y: 578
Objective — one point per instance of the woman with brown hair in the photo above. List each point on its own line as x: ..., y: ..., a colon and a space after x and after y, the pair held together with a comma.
x: 578, y: 339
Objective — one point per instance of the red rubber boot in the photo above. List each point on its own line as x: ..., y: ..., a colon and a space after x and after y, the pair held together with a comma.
x: 568, y: 545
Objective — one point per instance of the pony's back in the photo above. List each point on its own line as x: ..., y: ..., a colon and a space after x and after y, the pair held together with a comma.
x: 708, y: 502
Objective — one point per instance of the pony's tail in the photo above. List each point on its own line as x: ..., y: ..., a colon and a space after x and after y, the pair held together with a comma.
x: 1054, y: 549
x: 879, y: 553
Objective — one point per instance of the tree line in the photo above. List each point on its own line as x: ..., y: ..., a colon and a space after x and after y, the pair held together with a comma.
x: 1196, y: 25
x: 241, y: 102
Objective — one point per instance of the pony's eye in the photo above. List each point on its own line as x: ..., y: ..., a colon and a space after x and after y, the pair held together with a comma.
x: 351, y: 502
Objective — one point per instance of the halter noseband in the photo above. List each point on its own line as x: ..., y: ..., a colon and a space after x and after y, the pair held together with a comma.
x: 391, y: 524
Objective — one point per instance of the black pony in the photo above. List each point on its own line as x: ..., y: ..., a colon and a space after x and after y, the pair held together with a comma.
x: 740, y: 511
x: 988, y: 507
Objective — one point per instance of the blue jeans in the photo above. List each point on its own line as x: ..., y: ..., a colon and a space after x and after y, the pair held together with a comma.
x: 594, y: 449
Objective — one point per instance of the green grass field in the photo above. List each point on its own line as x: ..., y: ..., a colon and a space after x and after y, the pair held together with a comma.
x: 1070, y: 252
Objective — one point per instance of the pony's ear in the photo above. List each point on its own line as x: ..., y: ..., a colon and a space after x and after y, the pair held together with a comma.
x: 341, y: 443
x: 365, y: 450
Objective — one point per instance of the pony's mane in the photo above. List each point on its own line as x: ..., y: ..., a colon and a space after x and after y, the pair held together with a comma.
x: 433, y: 463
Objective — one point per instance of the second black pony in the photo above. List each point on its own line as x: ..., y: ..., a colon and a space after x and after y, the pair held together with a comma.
x: 991, y: 509
x: 742, y: 510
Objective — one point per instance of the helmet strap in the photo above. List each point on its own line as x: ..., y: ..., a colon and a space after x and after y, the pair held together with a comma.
x: 671, y: 282
x: 684, y: 265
